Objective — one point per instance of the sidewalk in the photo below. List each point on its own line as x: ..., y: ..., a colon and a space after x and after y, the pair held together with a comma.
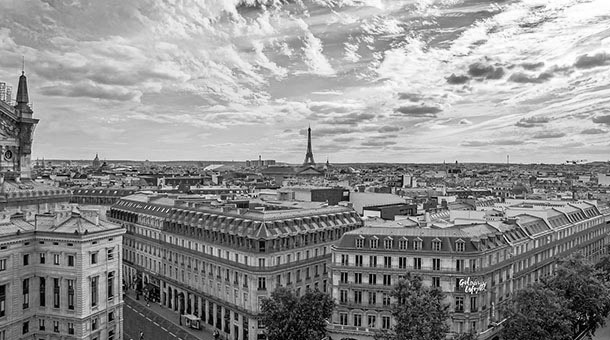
x: 169, y: 315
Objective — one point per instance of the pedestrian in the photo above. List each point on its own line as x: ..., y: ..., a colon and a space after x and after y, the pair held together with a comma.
x: 141, y: 335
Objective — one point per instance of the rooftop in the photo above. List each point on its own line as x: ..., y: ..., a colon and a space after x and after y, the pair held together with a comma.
x: 64, y: 222
x: 266, y: 220
x: 14, y: 190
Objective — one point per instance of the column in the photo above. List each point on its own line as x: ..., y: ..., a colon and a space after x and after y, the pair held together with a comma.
x: 240, y: 327
x: 223, y: 320
x: 195, y: 304
x: 204, y: 310
x: 170, y: 296
x: 162, y: 296
x: 176, y: 300
x: 189, y: 303
x: 214, y: 318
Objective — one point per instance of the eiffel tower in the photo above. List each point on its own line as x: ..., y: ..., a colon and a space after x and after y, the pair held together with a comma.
x: 309, y: 155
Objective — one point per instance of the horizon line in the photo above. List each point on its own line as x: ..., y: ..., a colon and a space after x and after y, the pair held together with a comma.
x: 288, y: 163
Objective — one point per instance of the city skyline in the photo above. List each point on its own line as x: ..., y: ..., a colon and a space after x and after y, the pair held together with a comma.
x: 406, y: 81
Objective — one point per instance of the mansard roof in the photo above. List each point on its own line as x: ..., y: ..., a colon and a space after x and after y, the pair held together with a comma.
x: 264, y: 224
x: 477, y: 236
x: 62, y: 222
x: 533, y: 225
x: 96, y: 192
x: 470, y: 235
x: 138, y: 207
x: 258, y: 224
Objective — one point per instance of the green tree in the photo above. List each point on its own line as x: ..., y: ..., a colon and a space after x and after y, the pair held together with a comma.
x: 538, y: 312
x: 472, y: 335
x: 577, y: 281
x: 419, y: 312
x: 287, y: 316
x: 603, y: 268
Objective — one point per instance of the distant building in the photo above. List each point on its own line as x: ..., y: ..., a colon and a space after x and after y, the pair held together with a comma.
x: 180, y: 181
x: 99, y: 196
x: 603, y: 180
x: 6, y: 93
x: 307, y: 170
x: 221, y: 191
x: 466, y: 193
x: 259, y: 163
x: 60, y: 274
x: 390, y: 211
x: 96, y: 164
x: 360, y: 200
x: 281, y: 173
x: 407, y: 181
x: 332, y: 196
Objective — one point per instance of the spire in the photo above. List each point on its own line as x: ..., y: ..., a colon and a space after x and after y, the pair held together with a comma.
x: 22, y: 91
x: 309, y: 155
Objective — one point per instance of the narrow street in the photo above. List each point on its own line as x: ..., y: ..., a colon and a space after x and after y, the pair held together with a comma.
x: 154, y: 326
x: 157, y: 323
x: 604, y: 332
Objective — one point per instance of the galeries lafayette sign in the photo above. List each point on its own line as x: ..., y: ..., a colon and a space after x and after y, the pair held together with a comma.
x: 473, y: 286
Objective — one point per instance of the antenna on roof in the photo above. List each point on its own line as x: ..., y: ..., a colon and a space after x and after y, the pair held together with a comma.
x: 23, y: 64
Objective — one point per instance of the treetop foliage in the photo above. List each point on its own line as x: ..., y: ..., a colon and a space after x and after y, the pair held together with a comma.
x: 419, y: 312
x: 538, y: 312
x: 287, y: 316
x: 576, y: 298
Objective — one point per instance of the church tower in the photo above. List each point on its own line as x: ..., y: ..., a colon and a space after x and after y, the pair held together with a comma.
x: 19, y: 124
x: 309, y: 155
x: 96, y: 163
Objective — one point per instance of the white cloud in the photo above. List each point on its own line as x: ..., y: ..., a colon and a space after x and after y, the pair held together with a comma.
x: 314, y: 57
x: 351, y: 52
x: 228, y: 66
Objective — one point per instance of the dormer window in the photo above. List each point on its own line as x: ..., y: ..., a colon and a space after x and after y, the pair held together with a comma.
x: 374, y: 242
x: 387, y: 243
x: 402, y: 244
x: 417, y: 244
x: 436, y: 245
x: 459, y: 245
x: 360, y: 242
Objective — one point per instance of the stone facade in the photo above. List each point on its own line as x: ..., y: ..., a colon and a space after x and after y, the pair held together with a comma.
x: 60, y: 274
x: 219, y: 262
x: 479, y: 266
x: 60, y: 278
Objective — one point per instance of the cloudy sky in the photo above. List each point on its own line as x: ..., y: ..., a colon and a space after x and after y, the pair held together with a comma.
x: 378, y: 80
